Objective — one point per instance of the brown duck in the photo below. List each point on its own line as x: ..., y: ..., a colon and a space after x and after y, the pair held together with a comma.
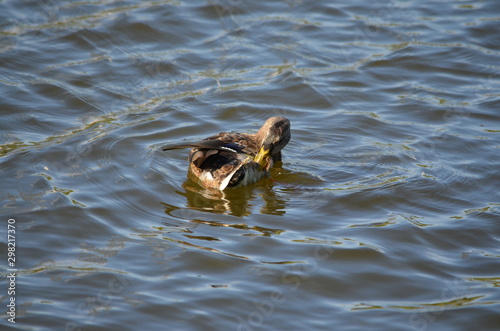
x: 234, y: 159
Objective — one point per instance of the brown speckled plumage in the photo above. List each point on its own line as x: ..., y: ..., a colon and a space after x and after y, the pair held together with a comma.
x: 232, y: 159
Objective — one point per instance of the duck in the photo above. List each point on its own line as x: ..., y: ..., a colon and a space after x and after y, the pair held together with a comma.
x: 230, y: 159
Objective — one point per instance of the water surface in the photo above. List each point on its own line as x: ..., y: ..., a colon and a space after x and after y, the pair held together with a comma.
x: 384, y: 214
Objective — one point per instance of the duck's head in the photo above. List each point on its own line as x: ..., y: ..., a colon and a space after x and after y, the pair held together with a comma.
x: 272, y: 137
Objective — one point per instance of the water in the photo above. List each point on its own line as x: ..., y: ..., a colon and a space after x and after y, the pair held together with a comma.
x: 384, y: 215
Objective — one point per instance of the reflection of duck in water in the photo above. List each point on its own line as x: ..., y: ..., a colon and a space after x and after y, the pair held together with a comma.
x: 234, y: 159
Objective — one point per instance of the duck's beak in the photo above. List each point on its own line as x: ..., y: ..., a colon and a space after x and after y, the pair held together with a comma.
x: 262, y: 157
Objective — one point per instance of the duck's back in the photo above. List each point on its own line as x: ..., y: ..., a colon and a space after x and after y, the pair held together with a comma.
x: 228, y: 166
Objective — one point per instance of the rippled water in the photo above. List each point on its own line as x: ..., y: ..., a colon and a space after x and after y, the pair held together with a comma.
x: 384, y: 215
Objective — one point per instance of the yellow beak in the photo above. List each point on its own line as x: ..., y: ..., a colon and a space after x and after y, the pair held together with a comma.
x: 262, y: 157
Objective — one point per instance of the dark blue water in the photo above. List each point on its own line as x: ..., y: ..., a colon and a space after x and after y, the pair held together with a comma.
x: 384, y: 215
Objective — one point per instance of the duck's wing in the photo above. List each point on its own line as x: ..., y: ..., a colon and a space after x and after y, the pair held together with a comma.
x: 219, y: 161
x: 224, y: 141
x: 216, y: 167
x: 207, y: 144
